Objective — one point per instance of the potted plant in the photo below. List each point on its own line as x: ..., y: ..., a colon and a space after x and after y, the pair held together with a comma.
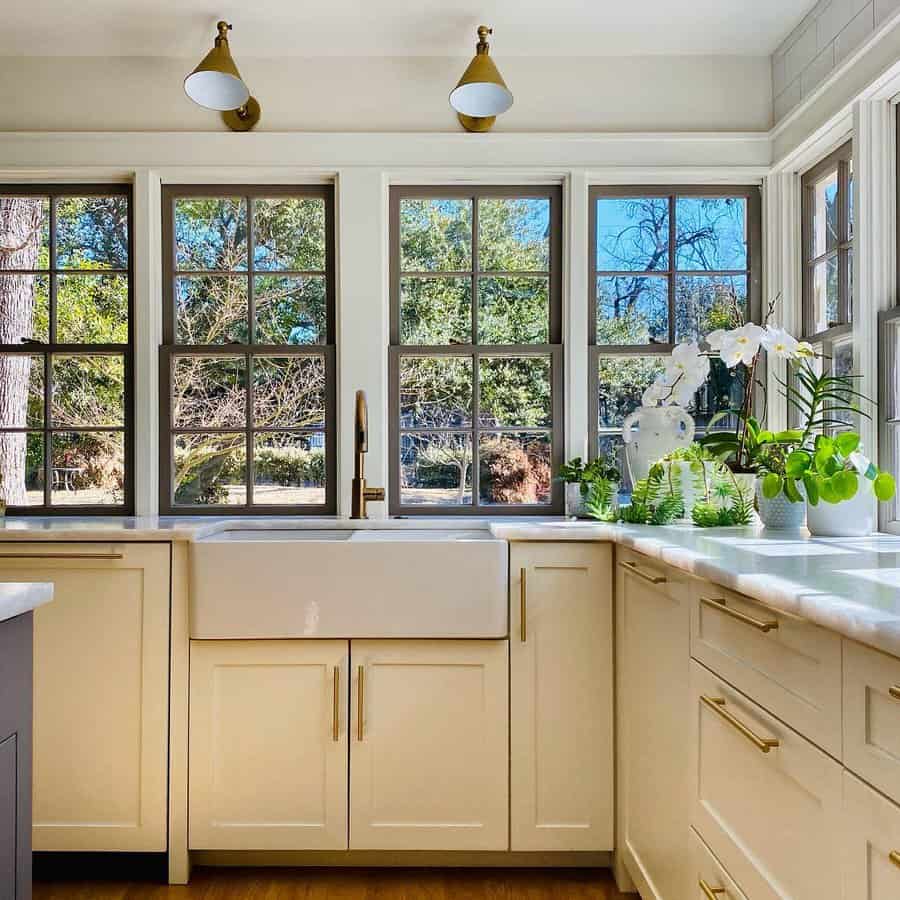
x: 596, y: 481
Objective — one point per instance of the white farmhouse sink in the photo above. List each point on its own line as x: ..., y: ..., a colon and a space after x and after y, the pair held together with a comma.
x: 345, y: 582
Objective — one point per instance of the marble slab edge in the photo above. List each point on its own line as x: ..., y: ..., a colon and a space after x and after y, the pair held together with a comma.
x: 18, y: 597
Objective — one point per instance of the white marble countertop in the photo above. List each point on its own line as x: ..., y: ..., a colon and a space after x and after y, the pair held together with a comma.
x: 851, y: 585
x: 17, y: 598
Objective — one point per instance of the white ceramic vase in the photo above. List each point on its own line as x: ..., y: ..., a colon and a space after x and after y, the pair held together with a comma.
x: 778, y: 513
x: 651, y: 432
x: 849, y: 518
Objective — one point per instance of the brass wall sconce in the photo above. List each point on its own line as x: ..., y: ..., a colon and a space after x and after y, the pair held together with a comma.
x: 481, y: 94
x: 217, y: 84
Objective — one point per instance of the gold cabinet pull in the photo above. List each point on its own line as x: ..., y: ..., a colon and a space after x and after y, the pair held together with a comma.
x: 710, y: 893
x: 894, y: 691
x: 523, y: 606
x: 336, y: 711
x: 360, y: 702
x: 62, y: 556
x: 633, y: 568
x: 720, y: 604
x: 717, y: 705
x: 894, y: 857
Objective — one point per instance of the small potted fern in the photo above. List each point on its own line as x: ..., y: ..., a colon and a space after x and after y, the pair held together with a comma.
x: 591, y: 488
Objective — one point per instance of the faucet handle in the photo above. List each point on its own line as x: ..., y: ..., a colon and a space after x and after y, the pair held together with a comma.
x: 374, y: 494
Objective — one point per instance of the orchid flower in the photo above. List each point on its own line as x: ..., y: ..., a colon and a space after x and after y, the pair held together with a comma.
x: 778, y: 343
x: 740, y: 345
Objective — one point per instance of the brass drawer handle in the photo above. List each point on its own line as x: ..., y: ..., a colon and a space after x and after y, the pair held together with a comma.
x: 62, y: 556
x: 360, y: 702
x: 717, y: 705
x: 720, y: 604
x: 894, y: 857
x: 894, y: 691
x: 633, y: 568
x: 710, y: 892
x: 523, y: 633
x: 336, y: 712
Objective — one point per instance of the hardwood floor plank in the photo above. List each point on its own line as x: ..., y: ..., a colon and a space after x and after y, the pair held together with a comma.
x: 353, y: 884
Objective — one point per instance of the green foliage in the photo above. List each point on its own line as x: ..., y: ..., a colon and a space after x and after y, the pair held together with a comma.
x: 759, y: 442
x: 602, y: 468
x: 599, y: 501
x: 655, y: 500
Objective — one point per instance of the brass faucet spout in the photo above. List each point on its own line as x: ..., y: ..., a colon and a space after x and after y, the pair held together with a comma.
x: 361, y: 495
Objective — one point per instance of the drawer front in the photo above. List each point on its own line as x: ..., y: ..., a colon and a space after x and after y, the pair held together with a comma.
x: 662, y: 578
x: 789, y: 666
x: 871, y: 843
x: 770, y: 813
x: 872, y: 717
x: 710, y: 880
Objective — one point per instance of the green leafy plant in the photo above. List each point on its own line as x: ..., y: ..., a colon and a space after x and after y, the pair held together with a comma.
x: 758, y: 442
x: 601, y: 469
x: 655, y: 500
x: 599, y: 500
x: 829, y: 470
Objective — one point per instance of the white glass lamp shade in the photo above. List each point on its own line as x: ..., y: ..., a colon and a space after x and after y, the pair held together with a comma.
x: 481, y: 90
x: 216, y: 90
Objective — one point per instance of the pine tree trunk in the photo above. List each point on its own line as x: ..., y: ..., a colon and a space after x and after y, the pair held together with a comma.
x: 20, y: 233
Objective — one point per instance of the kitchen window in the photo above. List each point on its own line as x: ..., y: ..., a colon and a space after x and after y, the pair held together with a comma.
x: 66, y: 349
x: 827, y: 236
x: 666, y: 265
x: 248, y: 383
x: 476, y: 357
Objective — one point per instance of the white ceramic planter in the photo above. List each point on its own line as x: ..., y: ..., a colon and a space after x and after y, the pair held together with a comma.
x: 652, y: 432
x: 850, y: 518
x: 779, y: 513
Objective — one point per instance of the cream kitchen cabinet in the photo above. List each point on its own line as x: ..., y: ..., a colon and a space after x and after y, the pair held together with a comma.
x: 101, y: 682
x: 429, y: 745
x: 561, y: 696
x: 871, y: 843
x: 652, y: 689
x: 268, y: 745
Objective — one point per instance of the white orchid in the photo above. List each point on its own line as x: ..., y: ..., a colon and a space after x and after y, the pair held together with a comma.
x: 740, y: 345
x: 683, y: 374
x: 655, y: 394
x: 778, y: 343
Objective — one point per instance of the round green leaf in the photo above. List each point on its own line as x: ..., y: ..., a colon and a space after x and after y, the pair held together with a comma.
x: 824, y: 444
x: 884, y: 486
x: 846, y: 443
x: 828, y: 491
x: 846, y: 484
x: 771, y: 485
x: 811, y: 484
x: 791, y: 492
x: 797, y: 462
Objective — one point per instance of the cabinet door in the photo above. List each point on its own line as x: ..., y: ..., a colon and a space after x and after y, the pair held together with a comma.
x: 9, y: 819
x: 561, y: 697
x: 871, y: 843
x: 653, y: 637
x: 429, y: 751
x: 268, y: 745
x: 101, y: 688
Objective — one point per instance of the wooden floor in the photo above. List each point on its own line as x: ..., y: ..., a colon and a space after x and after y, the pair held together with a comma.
x: 353, y: 884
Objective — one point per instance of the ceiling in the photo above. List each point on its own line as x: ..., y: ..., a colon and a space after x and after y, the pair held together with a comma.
x: 272, y: 28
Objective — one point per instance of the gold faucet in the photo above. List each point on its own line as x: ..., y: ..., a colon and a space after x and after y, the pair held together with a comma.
x: 362, y: 495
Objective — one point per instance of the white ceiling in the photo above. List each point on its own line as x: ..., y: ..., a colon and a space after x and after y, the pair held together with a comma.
x: 397, y: 27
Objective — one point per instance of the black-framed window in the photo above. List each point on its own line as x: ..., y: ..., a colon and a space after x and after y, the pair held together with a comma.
x: 667, y: 264
x: 247, y: 366
x: 827, y: 248
x: 66, y: 349
x: 476, y: 357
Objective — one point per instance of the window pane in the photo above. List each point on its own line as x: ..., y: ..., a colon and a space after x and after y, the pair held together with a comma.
x: 514, y: 235
x: 849, y: 258
x: 724, y: 389
x: 704, y: 303
x: 850, y: 201
x: 513, y: 310
x: 21, y: 391
x: 88, y: 391
x: 210, y: 469
x: 25, y: 302
x: 289, y: 233
x: 22, y: 459
x: 514, y: 468
x: 632, y: 310
x: 435, y: 235
x: 87, y: 468
x: 92, y: 232
x: 289, y: 391
x: 436, y: 469
x: 25, y: 225
x: 825, y: 215
x: 209, y: 392
x: 613, y: 447
x: 435, y: 392
x: 842, y: 359
x: 632, y: 234
x: 515, y: 391
x: 621, y: 382
x: 211, y: 233
x: 211, y: 309
x: 290, y: 310
x: 436, y: 311
x: 92, y: 309
x: 288, y: 469
x: 825, y: 294
x: 710, y: 233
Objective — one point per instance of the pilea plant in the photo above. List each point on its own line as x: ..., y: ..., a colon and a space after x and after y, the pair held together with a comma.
x: 600, y: 470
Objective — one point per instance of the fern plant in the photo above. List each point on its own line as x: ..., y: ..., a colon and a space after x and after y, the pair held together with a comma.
x: 598, y: 502
x: 655, y: 500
